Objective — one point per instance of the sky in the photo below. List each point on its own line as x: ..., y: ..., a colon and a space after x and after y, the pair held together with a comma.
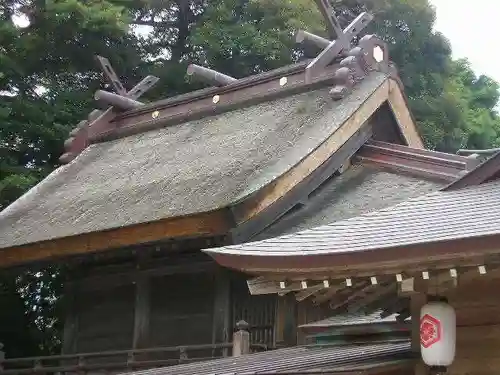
x: 471, y: 28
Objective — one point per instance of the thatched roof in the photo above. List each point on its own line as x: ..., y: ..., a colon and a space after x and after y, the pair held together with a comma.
x: 193, y: 167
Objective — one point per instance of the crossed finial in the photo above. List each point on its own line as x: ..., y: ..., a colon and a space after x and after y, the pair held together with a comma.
x: 121, y: 100
x: 341, y: 38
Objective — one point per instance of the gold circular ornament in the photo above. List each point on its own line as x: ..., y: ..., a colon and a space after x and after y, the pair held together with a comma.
x: 155, y: 114
x: 216, y: 99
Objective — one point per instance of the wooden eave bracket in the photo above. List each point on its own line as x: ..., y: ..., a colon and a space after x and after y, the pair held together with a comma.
x: 98, y: 121
x: 442, y: 281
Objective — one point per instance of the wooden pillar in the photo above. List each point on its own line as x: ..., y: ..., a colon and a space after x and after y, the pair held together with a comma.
x: 302, y: 310
x: 142, y: 312
x: 70, y: 331
x: 221, y: 327
x: 286, y: 321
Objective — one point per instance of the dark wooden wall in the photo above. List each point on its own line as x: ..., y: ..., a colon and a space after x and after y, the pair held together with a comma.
x: 105, y: 319
x: 258, y: 311
x: 181, y: 309
x: 163, y: 310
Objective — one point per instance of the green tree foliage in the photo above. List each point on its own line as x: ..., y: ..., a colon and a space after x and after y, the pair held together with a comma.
x: 48, y: 76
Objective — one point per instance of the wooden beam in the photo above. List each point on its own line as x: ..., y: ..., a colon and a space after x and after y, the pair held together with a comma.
x: 303, y: 36
x: 380, y: 293
x: 200, y: 225
x: 70, y: 330
x: 221, y: 328
x: 401, y: 158
x: 359, y: 293
x: 209, y: 75
x: 486, y: 171
x: 330, y: 292
x: 401, y: 110
x: 103, y: 122
x: 406, y: 287
x: 261, y: 285
x: 142, y: 313
x: 112, y: 279
x: 306, y: 293
x: 118, y: 101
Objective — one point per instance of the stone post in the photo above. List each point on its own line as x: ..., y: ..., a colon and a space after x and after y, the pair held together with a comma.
x: 241, y: 339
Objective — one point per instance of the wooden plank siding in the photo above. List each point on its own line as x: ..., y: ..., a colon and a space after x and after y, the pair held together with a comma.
x: 167, y: 310
x: 182, y: 309
x: 477, y: 305
x: 105, y: 319
x: 259, y: 313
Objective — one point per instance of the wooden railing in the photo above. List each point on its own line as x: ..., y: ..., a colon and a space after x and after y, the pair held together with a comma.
x: 120, y: 360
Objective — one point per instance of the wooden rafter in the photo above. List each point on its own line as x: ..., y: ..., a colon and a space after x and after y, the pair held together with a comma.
x: 329, y: 293
x: 304, y: 294
x: 444, y: 281
x: 361, y: 292
x: 379, y: 293
x: 370, y: 294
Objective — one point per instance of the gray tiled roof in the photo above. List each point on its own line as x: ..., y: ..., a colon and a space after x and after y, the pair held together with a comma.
x: 342, y: 320
x: 189, y: 168
x: 313, y: 359
x: 439, y: 216
x: 359, y: 190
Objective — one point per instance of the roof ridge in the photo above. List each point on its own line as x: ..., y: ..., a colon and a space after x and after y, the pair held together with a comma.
x: 127, y: 116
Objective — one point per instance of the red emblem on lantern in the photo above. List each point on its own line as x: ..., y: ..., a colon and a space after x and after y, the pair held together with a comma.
x: 430, y: 330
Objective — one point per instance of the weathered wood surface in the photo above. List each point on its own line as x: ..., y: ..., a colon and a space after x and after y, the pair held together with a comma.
x: 147, y: 309
x: 201, y: 225
x: 142, y: 312
x: 258, y: 311
x: 110, y: 361
x: 477, y: 305
x: 105, y: 319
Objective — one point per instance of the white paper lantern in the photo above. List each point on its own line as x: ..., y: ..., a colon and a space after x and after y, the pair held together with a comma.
x: 437, y: 334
